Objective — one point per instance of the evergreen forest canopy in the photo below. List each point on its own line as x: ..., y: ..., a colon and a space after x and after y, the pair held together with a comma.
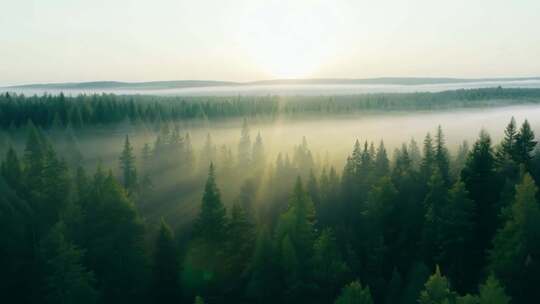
x: 88, y: 110
x: 419, y: 225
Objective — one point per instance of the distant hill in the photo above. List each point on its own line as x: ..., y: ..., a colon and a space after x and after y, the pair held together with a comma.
x: 176, y: 84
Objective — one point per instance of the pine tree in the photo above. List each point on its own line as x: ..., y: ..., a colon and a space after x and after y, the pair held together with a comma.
x: 428, y: 159
x: 211, y: 222
x: 525, y: 144
x: 508, y: 145
x: 56, y: 192
x: 480, y: 180
x: 128, y: 167
x: 435, y: 203
x: 112, y: 224
x: 244, y: 147
x: 394, y: 288
x: 382, y: 165
x: 165, y: 285
x: 34, y: 162
x: 491, y: 292
x: 199, y: 300
x: 457, y: 237
x: 262, y: 287
x: 441, y: 156
x: 329, y: 268
x: 354, y: 293
x: 11, y: 170
x: 65, y: 278
x: 240, y: 243
x: 313, y: 189
x: 414, y: 154
x: 460, y: 159
x: 437, y: 290
x: 296, y: 234
x: 258, y: 152
x: 516, y: 246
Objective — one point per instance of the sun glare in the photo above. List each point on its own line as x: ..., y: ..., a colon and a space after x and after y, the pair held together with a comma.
x: 289, y: 42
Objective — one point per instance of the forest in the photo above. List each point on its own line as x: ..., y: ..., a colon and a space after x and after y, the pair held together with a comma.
x: 418, y: 225
x: 48, y: 111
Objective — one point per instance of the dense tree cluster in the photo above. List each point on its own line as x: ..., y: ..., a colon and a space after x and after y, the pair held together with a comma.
x: 423, y: 227
x: 58, y: 111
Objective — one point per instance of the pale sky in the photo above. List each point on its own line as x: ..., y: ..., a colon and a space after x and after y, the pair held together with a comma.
x: 244, y: 40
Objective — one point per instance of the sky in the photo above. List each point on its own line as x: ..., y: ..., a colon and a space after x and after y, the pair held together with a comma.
x: 247, y: 40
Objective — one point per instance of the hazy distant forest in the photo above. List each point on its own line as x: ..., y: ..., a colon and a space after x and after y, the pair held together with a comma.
x: 414, y: 225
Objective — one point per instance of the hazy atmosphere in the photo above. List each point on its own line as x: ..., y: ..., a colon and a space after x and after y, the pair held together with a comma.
x: 247, y: 40
x: 321, y: 152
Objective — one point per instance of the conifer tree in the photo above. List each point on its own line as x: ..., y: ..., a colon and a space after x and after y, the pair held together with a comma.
x: 428, y: 158
x: 240, y: 241
x: 516, y: 246
x: 480, y: 180
x: 329, y: 268
x: 382, y: 164
x: 128, y: 167
x: 457, y: 237
x: 112, y: 224
x: 210, y: 224
x: 508, y: 145
x: 491, y: 292
x: 313, y: 189
x: 244, y: 147
x: 436, y: 204
x: 394, y: 288
x: 11, y: 170
x: 354, y: 293
x: 525, y: 144
x: 65, y: 278
x: 258, y: 152
x: 437, y: 290
x: 414, y: 154
x: 165, y: 285
x: 199, y: 300
x: 441, y: 156
x: 262, y: 285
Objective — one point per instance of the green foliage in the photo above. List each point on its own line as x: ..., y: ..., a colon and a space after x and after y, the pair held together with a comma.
x: 516, y: 244
x: 65, y: 279
x: 491, y: 292
x: 166, y: 267
x: 354, y: 293
x: 210, y: 225
x: 437, y: 290
x: 127, y: 167
x: 111, y: 224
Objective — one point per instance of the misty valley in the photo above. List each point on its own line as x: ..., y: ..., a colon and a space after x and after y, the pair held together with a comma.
x: 374, y: 198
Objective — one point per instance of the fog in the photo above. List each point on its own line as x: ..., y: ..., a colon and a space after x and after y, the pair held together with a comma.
x: 287, y: 89
x: 332, y: 135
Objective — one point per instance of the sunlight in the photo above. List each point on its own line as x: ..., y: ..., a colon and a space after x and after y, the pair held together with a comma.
x: 288, y: 41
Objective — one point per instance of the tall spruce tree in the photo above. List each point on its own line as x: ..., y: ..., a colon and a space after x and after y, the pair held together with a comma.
x: 128, y: 167
x: 525, y: 144
x: 480, y: 180
x: 457, y: 237
x: 211, y: 222
x: 437, y: 290
x: 516, y: 247
x: 441, y: 156
x: 354, y: 293
x: 65, y: 278
x: 166, y: 267
x: 244, y: 147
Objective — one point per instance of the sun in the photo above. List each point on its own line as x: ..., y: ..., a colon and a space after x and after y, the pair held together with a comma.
x: 288, y: 42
